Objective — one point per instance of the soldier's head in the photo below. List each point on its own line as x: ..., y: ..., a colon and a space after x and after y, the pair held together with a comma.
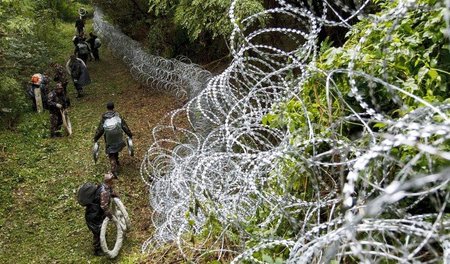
x: 45, y: 78
x: 110, y: 106
x: 59, y: 88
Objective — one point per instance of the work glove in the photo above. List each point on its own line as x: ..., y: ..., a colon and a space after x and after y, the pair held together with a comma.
x: 59, y: 106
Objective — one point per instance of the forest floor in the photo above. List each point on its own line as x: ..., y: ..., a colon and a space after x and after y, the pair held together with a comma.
x: 40, y: 219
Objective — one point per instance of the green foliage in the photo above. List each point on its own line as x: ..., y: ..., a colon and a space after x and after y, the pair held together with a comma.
x: 16, y: 32
x: 193, y: 28
x: 411, y: 53
x: 54, y: 10
x: 12, y: 101
x: 200, y: 17
x: 85, y: 2
x: 162, y: 7
x: 131, y: 16
x: 209, y: 236
x: 33, y: 127
x: 158, y: 39
x: 29, y: 29
x: 169, y: 28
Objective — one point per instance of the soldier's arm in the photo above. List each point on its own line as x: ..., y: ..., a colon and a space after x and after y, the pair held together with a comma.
x: 51, y: 101
x: 126, y: 129
x: 104, y: 202
x: 99, y: 131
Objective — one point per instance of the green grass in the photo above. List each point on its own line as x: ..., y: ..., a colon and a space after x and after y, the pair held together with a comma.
x: 40, y: 220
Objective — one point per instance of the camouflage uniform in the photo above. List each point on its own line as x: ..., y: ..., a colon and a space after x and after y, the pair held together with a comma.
x: 60, y: 76
x: 79, y: 25
x: 96, y: 212
x: 112, y: 149
x: 55, y: 113
x: 94, y: 49
x: 79, y: 73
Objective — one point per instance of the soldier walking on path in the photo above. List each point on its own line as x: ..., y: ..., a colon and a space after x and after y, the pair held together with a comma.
x: 82, y: 50
x: 79, y: 73
x: 60, y: 76
x: 94, y: 43
x: 112, y: 126
x: 79, y: 25
x: 57, y: 103
x: 99, y: 209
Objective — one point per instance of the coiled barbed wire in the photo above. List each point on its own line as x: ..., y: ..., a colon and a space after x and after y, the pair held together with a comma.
x: 358, y: 200
x: 176, y: 76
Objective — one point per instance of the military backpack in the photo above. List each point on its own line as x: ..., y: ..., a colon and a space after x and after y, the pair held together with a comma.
x: 83, y: 48
x: 113, y: 130
x: 86, y: 193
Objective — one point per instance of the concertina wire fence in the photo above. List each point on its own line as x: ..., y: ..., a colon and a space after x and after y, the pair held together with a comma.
x: 227, y: 166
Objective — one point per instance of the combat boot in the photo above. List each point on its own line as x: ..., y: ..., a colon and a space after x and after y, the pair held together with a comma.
x: 98, y: 252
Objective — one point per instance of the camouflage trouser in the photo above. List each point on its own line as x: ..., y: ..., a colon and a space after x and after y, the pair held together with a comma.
x: 79, y: 89
x: 95, y: 53
x: 55, y: 123
x: 114, y: 161
x: 96, y: 242
x: 94, y: 218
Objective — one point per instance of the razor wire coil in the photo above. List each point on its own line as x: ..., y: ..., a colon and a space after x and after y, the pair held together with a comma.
x: 228, y: 166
